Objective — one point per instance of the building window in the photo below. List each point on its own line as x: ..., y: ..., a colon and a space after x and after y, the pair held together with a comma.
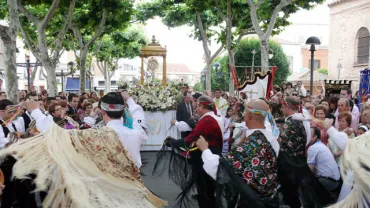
x: 363, y: 42
x: 101, y: 83
x: 316, y: 64
x: 113, y: 83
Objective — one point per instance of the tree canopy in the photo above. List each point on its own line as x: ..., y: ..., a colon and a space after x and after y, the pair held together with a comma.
x: 243, y: 57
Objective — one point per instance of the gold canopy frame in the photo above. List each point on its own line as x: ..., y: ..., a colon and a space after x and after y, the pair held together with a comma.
x: 153, y: 49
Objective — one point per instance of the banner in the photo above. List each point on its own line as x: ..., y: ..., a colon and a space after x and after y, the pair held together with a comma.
x: 159, y: 124
x: 258, y: 87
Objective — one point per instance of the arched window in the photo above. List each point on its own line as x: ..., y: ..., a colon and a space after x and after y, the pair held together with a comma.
x: 363, y: 43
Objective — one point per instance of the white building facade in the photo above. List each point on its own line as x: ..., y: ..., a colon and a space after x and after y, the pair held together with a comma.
x: 349, y: 39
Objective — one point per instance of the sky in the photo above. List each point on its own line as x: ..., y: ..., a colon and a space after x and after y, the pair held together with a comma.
x: 183, y: 49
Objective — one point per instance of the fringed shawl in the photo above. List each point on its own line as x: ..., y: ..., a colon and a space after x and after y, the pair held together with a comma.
x: 356, y: 159
x: 81, y: 169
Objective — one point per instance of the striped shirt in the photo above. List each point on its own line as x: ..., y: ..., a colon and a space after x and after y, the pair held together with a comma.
x: 320, y: 156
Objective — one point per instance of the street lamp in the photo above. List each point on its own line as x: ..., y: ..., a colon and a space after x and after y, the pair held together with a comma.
x: 28, y: 65
x: 216, y: 67
x: 313, y: 41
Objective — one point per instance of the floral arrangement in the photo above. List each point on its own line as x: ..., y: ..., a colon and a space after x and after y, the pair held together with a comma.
x: 153, y: 96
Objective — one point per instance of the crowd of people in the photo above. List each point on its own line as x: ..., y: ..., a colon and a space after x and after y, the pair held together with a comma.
x: 312, y: 130
x: 241, y: 152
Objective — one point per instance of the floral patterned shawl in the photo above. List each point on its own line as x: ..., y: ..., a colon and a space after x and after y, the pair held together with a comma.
x: 87, y: 168
x: 255, y: 161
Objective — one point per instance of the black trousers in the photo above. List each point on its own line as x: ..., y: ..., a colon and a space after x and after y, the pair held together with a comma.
x: 17, y: 193
x: 206, y: 188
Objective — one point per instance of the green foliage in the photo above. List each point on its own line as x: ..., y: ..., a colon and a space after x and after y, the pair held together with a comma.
x: 244, y: 56
x: 126, y: 44
x: 323, y: 71
x: 88, y: 14
x: 221, y: 80
x: 198, y: 87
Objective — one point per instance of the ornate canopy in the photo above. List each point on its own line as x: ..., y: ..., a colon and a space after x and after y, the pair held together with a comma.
x: 153, y: 49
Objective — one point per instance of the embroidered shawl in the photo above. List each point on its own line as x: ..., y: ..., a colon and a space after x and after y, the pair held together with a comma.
x: 81, y: 169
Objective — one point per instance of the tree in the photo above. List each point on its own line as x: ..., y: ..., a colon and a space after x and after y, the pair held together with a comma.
x: 194, y: 13
x: 198, y: 87
x: 276, y: 12
x: 243, y: 57
x: 118, y: 45
x: 322, y: 71
x: 221, y: 79
x: 92, y: 19
x: 8, y: 35
x: 43, y: 26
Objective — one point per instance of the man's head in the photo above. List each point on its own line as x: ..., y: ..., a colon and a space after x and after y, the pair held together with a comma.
x: 217, y: 93
x: 49, y: 101
x: 205, y: 104
x: 187, y: 97
x: 290, y: 106
x: 85, y: 95
x: 315, y: 134
x: 73, y: 100
x: 3, y: 96
x: 33, y: 96
x: 343, y: 105
x: 22, y: 94
x: 5, y: 107
x: 184, y: 88
x: 346, y: 93
x: 194, y: 99
x: 299, y: 84
x: 253, y: 119
x: 112, y: 106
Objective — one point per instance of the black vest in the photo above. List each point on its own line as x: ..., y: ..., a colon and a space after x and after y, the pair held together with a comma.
x: 5, y: 128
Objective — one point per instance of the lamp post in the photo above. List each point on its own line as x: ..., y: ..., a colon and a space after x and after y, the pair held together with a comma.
x: 69, y: 71
x: 28, y: 66
x: 313, y: 41
x: 204, y: 74
x: 27, y: 57
x: 217, y: 67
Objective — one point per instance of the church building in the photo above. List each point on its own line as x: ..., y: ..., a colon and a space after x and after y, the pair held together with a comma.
x: 349, y: 39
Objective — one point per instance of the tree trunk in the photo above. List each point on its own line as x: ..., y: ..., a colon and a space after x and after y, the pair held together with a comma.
x: 232, y: 64
x: 83, y: 57
x: 106, y: 77
x: 208, y: 75
x: 33, y: 75
x: 264, y: 55
x: 51, y: 78
x: 9, y: 38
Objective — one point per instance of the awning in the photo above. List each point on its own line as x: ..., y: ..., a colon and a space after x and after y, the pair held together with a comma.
x: 73, y: 84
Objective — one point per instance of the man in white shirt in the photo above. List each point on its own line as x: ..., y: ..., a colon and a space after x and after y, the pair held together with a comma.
x: 322, y: 163
x: 257, y: 153
x: 220, y: 102
x: 112, y: 106
x: 347, y: 93
x: 343, y: 107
